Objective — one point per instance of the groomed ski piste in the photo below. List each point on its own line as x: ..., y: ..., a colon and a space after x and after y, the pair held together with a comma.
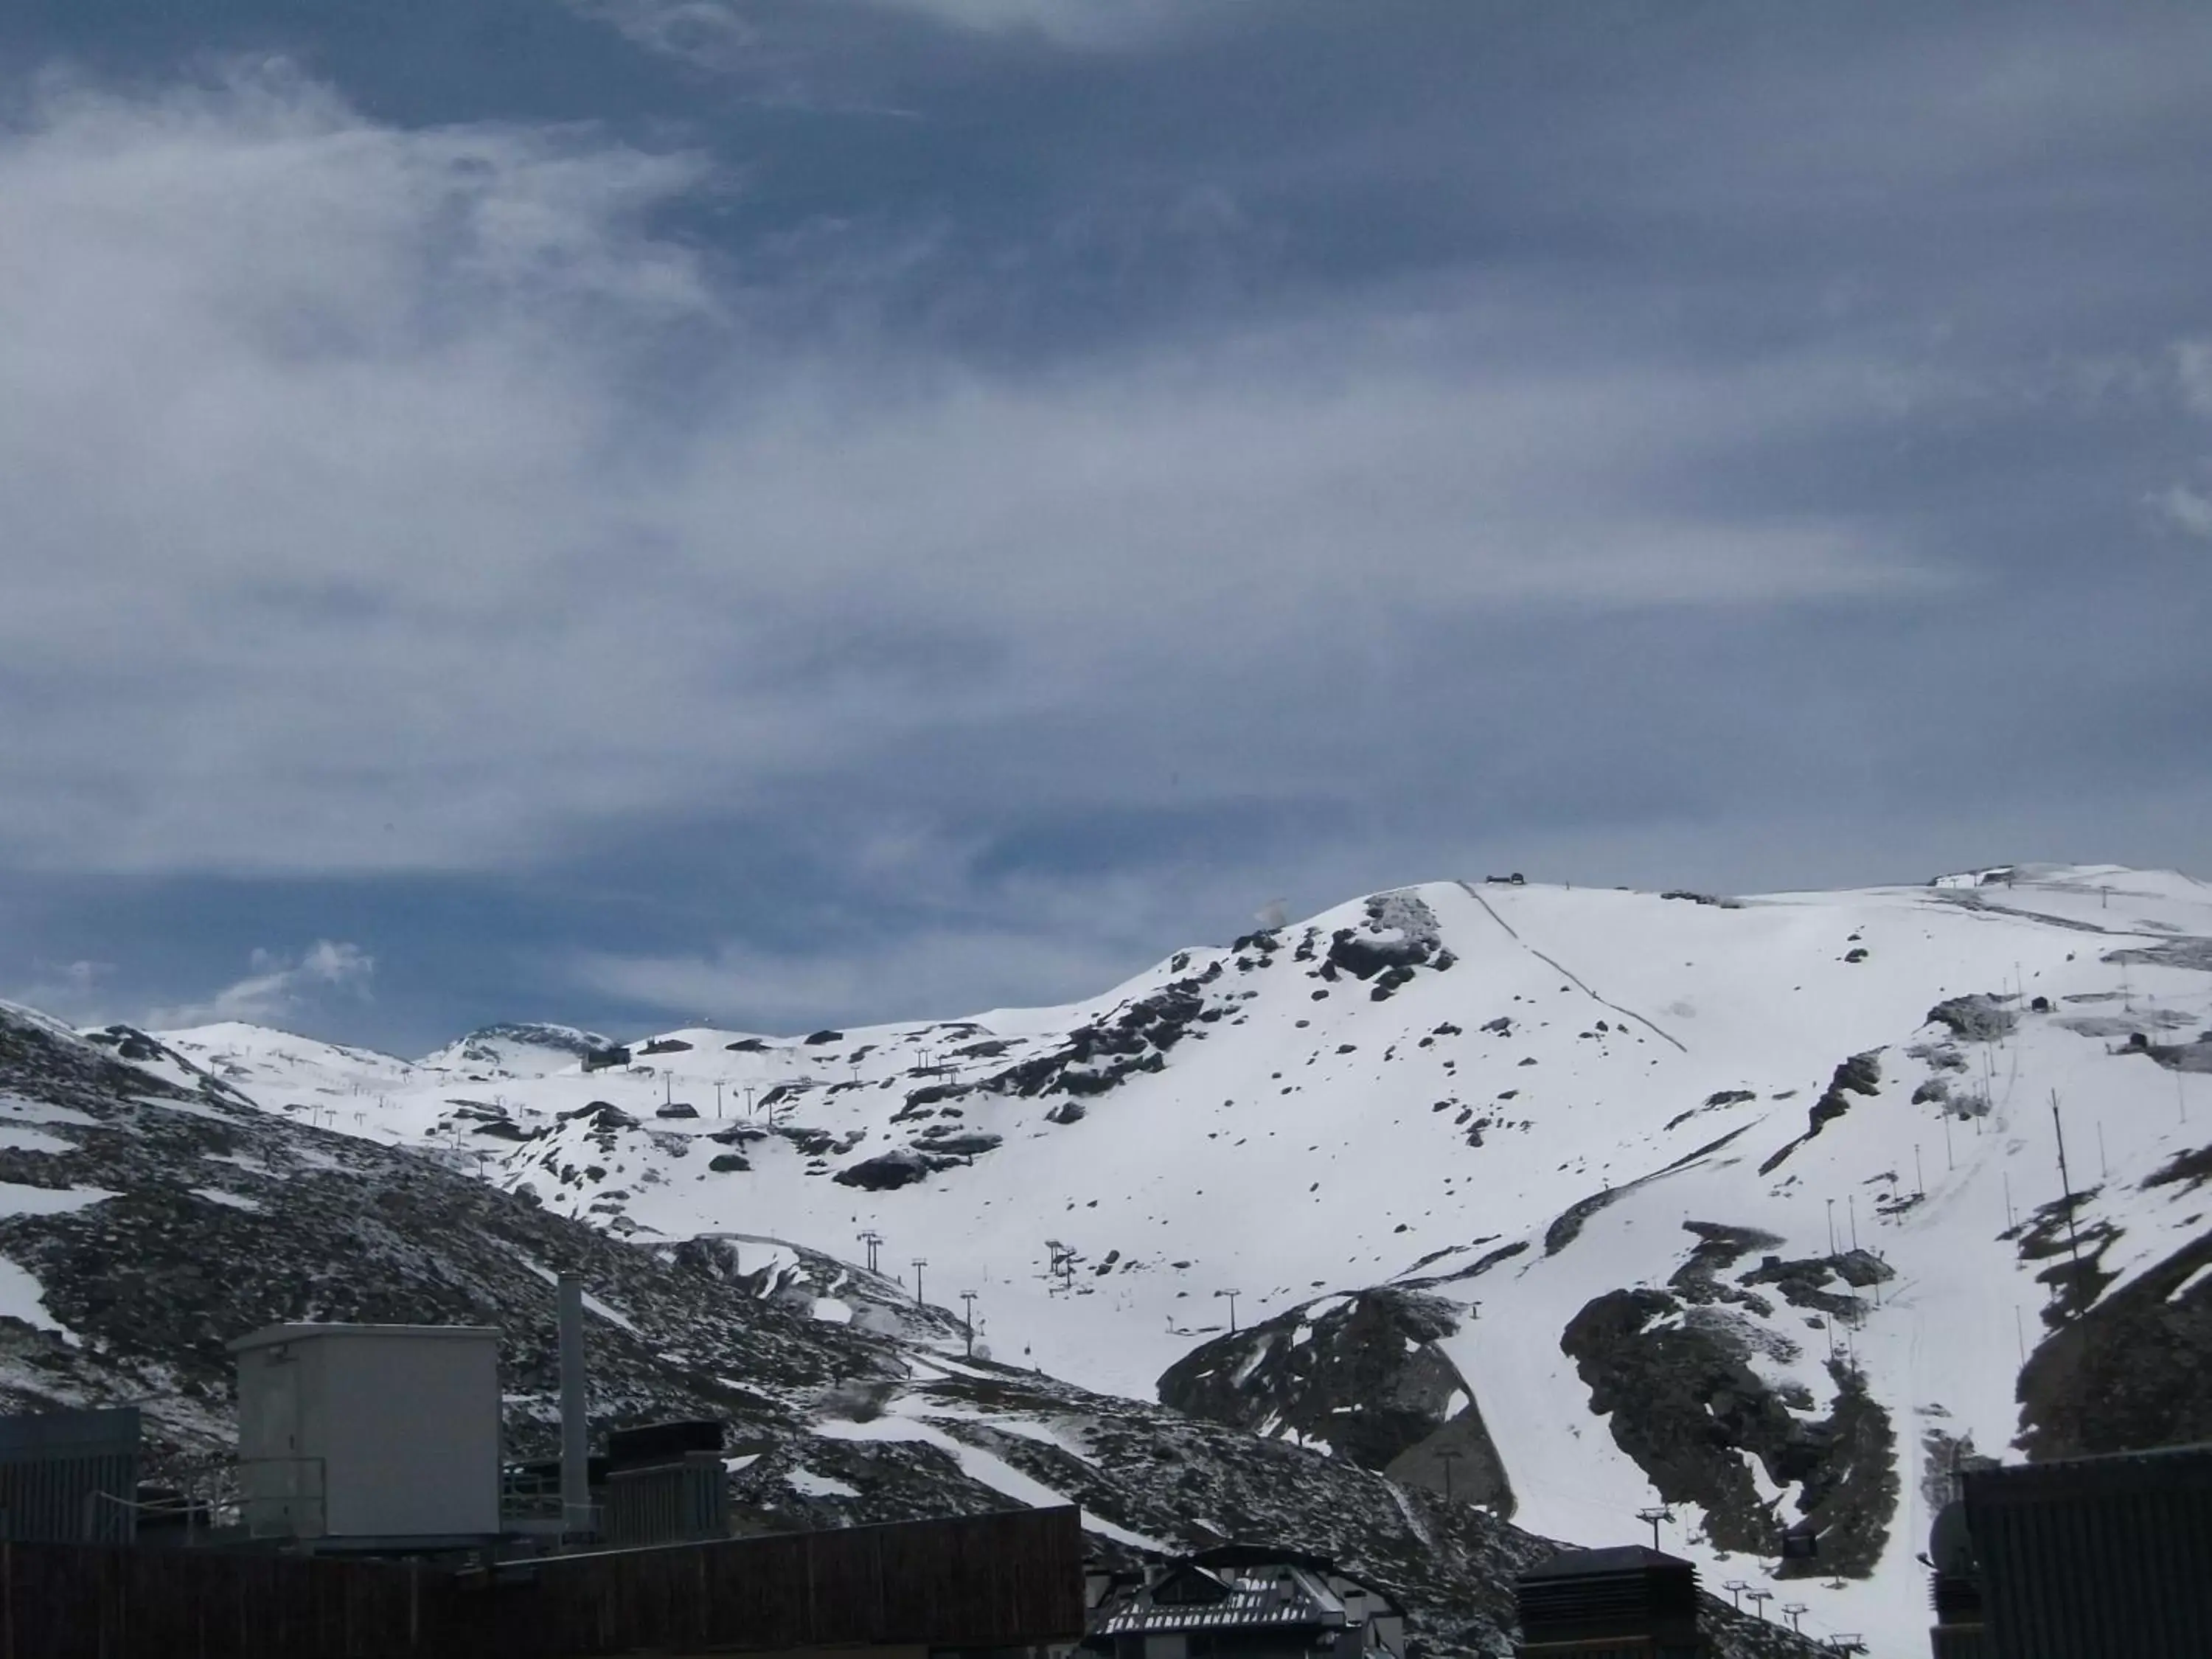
x: 1513, y: 1097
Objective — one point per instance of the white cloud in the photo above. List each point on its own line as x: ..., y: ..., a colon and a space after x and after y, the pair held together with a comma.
x: 718, y: 35
x: 75, y: 992
x: 937, y: 974
x: 2185, y: 509
x: 2192, y: 365
x: 915, y: 933
x: 345, y: 535
x: 1070, y: 22
x: 80, y: 977
x: 279, y: 987
x: 2177, y: 505
x: 713, y: 34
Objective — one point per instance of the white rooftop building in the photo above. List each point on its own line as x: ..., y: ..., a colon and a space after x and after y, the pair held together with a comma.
x: 355, y: 1432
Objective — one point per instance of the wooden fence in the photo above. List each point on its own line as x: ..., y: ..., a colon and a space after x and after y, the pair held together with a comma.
x: 1006, y: 1580
x: 83, y: 1601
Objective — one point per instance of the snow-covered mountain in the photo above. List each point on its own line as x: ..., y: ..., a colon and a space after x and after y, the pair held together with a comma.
x: 525, y: 1049
x: 1580, y: 1197
x: 149, y: 1212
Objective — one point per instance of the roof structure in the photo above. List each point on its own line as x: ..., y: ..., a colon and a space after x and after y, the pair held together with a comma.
x: 1263, y: 1555
x: 1621, y: 1558
x: 1260, y: 1555
x: 269, y: 1335
x: 1282, y: 1596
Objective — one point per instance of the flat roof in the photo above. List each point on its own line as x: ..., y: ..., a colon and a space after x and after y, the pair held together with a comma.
x: 270, y: 1335
x: 1619, y: 1558
x: 2104, y: 1474
x: 36, y: 1435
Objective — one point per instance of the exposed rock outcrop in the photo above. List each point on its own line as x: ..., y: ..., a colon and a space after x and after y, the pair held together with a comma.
x: 1674, y: 1372
x: 1362, y: 1375
x: 2131, y: 1372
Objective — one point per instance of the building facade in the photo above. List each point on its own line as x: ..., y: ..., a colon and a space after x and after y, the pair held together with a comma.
x: 1249, y: 1602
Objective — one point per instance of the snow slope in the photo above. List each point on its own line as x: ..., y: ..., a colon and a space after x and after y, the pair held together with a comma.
x: 1514, y: 1097
x: 157, y: 1219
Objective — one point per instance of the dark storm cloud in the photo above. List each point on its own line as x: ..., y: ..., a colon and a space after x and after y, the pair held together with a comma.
x: 798, y: 512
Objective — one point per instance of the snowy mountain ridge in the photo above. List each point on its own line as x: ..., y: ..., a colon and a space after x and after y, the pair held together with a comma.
x: 149, y: 1211
x: 1750, y: 1205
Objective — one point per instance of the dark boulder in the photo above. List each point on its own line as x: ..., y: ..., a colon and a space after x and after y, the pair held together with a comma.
x: 885, y: 1172
x: 1976, y: 1019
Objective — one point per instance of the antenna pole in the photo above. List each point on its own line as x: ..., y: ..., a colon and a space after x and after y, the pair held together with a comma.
x: 2066, y: 1185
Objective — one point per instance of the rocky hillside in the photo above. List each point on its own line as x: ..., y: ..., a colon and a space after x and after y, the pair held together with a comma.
x: 148, y: 1212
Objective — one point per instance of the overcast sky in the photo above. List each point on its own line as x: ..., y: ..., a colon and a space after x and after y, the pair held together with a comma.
x: 808, y: 511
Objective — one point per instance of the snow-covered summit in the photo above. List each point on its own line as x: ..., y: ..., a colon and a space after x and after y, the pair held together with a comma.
x: 518, y: 1048
x: 151, y: 1212
x: 1757, y: 1198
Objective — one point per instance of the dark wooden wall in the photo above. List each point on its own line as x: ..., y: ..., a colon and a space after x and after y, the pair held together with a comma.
x: 79, y: 1601
x: 2103, y: 1555
x: 983, y: 1581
